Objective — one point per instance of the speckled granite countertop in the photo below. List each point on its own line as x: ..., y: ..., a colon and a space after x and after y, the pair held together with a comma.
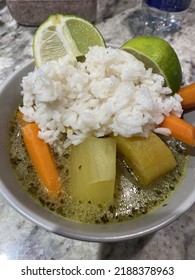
x: 20, y: 239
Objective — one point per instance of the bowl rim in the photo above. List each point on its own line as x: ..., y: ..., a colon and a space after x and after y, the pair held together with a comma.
x: 87, y: 232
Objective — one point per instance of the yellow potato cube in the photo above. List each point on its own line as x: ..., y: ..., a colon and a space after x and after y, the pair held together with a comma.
x: 149, y: 158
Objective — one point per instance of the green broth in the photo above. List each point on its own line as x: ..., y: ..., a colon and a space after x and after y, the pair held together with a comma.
x: 130, y: 199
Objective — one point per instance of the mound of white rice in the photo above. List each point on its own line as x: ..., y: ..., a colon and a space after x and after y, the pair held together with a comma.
x: 110, y: 92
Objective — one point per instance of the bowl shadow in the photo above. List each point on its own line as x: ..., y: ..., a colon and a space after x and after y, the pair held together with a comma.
x: 125, y: 250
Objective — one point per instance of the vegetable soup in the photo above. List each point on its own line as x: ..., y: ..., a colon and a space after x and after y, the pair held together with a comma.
x: 131, y: 199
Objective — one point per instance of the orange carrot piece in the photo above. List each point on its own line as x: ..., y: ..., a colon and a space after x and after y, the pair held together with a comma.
x: 20, y: 118
x: 188, y: 95
x: 180, y: 129
x: 42, y: 159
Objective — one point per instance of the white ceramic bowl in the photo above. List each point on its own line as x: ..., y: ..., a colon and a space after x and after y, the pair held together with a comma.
x: 182, y: 200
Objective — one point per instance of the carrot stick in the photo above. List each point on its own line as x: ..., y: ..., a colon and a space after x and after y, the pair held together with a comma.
x: 188, y: 95
x: 180, y: 129
x: 42, y: 159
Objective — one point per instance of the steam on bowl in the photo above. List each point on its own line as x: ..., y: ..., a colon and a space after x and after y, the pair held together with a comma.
x: 183, y: 198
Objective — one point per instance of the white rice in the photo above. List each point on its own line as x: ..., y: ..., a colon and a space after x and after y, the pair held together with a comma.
x: 110, y: 92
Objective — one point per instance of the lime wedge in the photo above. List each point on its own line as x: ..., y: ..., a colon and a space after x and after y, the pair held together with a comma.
x: 158, y: 54
x: 63, y: 34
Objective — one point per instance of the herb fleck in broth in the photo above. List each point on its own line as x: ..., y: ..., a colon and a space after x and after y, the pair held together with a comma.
x: 130, y: 199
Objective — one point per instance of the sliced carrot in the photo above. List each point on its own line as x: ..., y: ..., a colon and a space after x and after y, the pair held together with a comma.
x: 188, y: 95
x: 180, y: 129
x: 42, y: 159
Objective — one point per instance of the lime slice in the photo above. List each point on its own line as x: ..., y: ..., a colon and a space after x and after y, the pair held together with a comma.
x: 63, y: 34
x: 156, y: 53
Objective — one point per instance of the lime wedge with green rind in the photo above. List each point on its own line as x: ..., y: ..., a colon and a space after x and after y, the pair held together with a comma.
x: 63, y: 34
x: 158, y: 54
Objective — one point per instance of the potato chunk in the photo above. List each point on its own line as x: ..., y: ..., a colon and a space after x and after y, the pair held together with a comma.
x: 93, y: 170
x: 149, y: 158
